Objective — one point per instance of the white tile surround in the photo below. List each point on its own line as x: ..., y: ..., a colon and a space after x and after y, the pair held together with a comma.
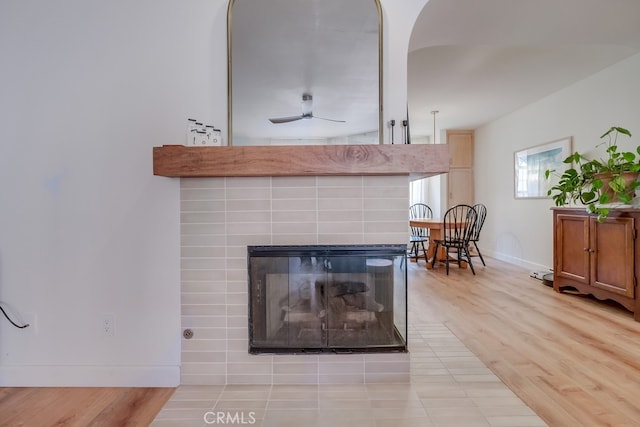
x: 221, y: 216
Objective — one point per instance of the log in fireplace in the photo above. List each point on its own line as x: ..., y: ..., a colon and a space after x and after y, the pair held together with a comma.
x: 336, y: 298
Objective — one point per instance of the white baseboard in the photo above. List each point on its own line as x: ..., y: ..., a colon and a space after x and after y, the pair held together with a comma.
x: 89, y: 376
x: 519, y: 262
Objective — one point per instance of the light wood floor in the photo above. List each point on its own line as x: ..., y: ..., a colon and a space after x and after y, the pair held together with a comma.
x: 81, y: 406
x: 574, y: 360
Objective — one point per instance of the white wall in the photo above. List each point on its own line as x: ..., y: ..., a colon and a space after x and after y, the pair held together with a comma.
x: 87, y: 88
x: 520, y: 230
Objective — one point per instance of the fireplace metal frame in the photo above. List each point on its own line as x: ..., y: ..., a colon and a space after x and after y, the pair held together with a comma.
x: 396, y: 252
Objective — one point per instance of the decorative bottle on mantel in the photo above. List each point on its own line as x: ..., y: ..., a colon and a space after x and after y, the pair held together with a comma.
x: 214, y: 136
x: 191, y: 132
x: 199, y: 135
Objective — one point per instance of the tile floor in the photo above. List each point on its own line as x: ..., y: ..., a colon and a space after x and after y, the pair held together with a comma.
x: 449, y: 387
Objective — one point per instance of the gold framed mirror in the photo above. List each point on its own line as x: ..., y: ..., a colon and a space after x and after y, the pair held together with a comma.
x: 304, y: 72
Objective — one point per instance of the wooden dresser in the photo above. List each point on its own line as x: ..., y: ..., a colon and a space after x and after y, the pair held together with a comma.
x: 598, y: 258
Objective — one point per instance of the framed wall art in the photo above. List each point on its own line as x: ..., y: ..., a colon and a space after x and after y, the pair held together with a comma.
x: 531, y: 164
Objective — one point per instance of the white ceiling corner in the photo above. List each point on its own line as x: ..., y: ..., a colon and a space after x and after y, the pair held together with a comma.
x: 476, y: 61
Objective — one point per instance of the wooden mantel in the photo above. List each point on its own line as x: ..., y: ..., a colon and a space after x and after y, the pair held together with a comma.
x: 416, y: 160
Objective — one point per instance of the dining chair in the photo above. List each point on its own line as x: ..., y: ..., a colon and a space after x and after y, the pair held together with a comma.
x: 457, y: 229
x: 481, y: 210
x: 419, y: 235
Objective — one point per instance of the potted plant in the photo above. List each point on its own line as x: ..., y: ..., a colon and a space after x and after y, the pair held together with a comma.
x: 598, y: 182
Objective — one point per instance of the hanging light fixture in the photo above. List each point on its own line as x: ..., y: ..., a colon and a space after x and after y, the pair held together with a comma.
x: 434, y: 112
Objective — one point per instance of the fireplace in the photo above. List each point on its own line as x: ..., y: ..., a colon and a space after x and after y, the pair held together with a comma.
x: 220, y: 217
x: 327, y: 298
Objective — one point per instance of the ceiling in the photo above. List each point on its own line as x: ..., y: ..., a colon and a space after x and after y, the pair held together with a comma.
x: 475, y: 61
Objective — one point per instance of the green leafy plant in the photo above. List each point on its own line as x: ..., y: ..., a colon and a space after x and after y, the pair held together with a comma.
x: 596, y: 182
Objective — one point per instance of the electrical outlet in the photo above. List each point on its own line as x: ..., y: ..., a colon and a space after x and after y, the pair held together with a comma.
x: 108, y: 325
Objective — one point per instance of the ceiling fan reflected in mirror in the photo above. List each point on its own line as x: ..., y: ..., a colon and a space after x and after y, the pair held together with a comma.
x: 307, y: 113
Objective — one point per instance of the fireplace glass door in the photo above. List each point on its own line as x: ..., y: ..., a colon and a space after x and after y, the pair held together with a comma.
x: 327, y: 298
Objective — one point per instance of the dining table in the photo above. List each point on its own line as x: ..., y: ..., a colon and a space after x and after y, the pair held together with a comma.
x: 435, y: 226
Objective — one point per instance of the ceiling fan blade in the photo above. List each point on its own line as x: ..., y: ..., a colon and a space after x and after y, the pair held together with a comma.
x: 285, y: 119
x: 331, y: 120
x: 307, y: 101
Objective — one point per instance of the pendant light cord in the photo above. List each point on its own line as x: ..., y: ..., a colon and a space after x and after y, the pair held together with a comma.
x: 434, y: 112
